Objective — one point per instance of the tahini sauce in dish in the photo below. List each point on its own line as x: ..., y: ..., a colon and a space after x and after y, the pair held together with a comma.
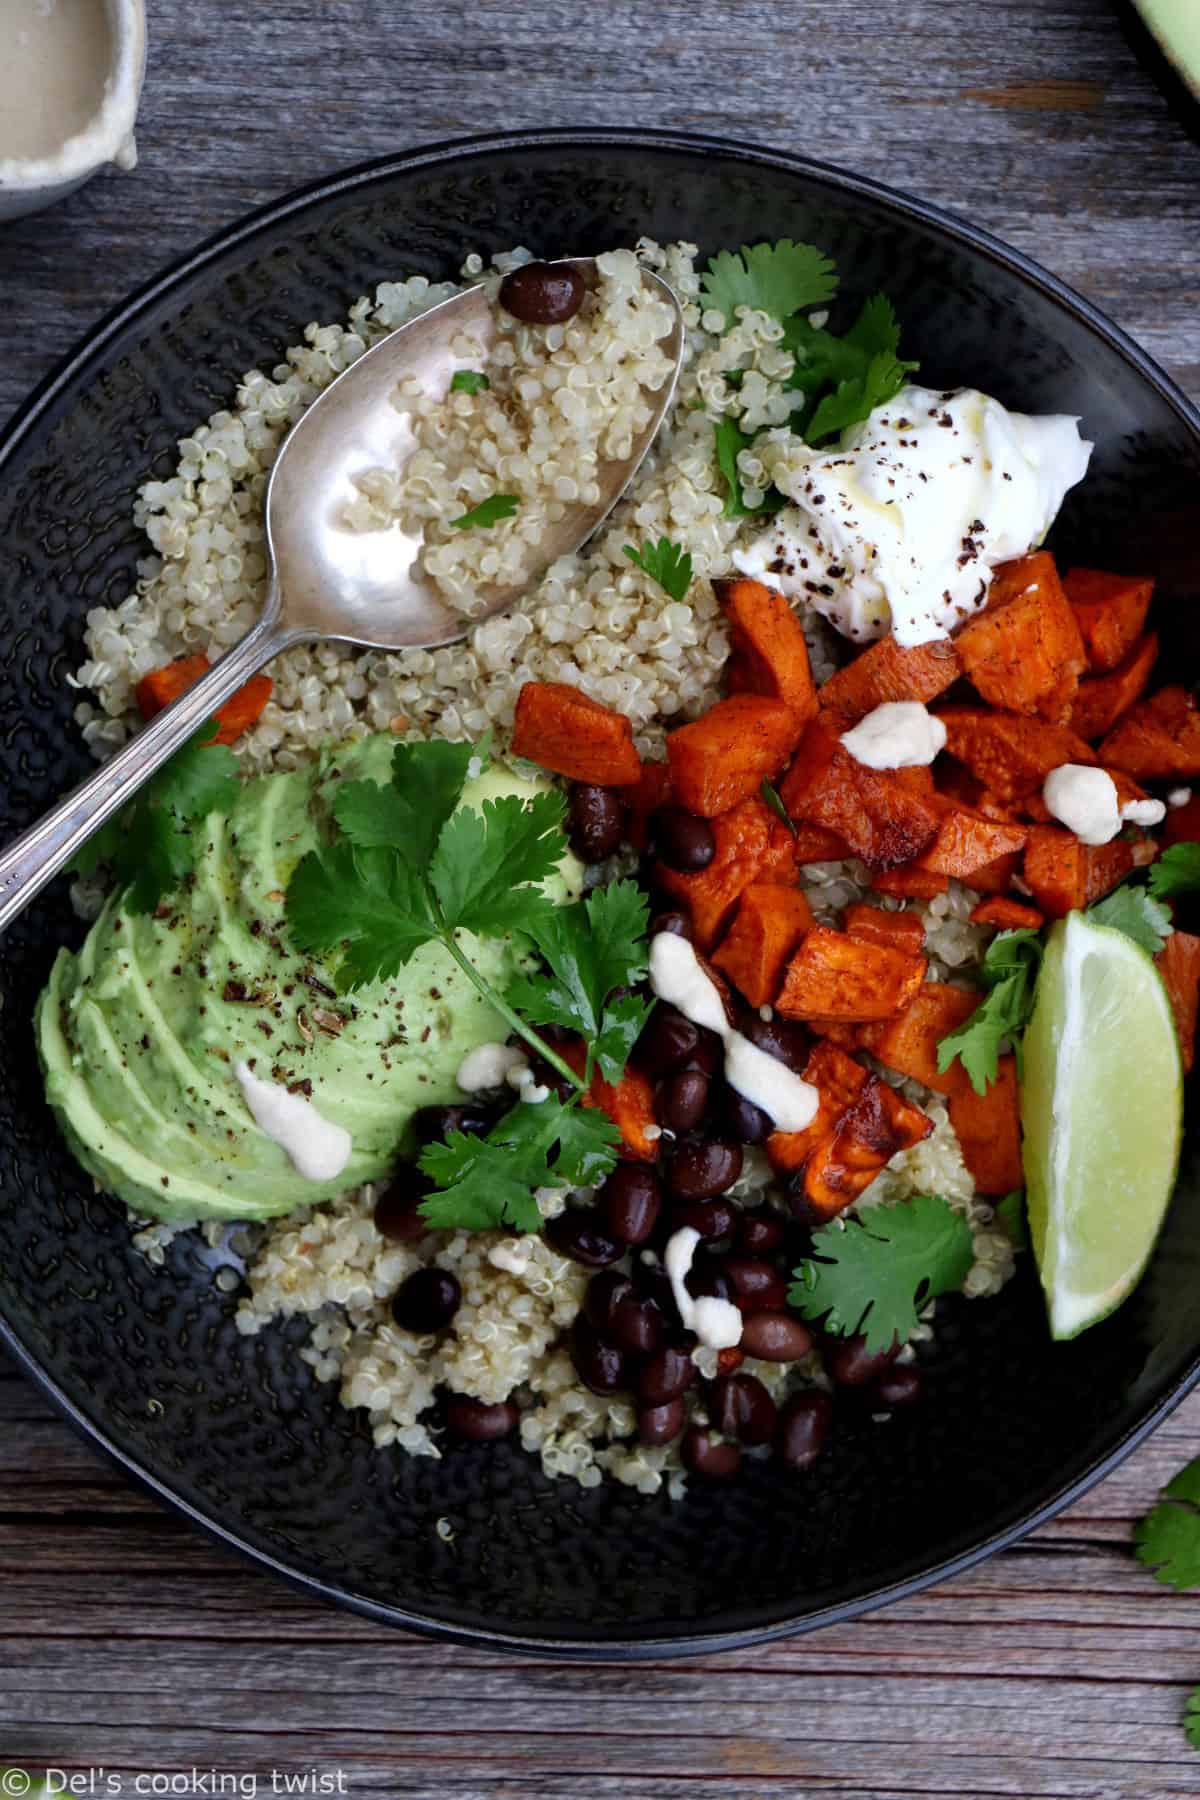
x: 55, y: 60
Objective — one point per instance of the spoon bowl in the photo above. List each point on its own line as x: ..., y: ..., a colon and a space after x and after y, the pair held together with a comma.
x: 328, y: 579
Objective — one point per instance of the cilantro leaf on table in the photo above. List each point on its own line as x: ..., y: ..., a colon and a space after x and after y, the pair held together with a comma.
x: 665, y: 563
x: 1010, y: 1213
x: 592, y: 947
x: 492, y: 1181
x: 1177, y: 871
x: 774, y: 800
x: 406, y: 814
x: 1132, y: 911
x: 366, y: 899
x: 488, y: 512
x: 778, y: 279
x: 875, y: 1274
x: 1008, y: 973
x: 468, y: 381
x: 863, y: 368
x: 486, y: 864
x: 1167, y: 1540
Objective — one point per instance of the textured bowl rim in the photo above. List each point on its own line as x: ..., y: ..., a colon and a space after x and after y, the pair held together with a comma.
x: 75, y: 367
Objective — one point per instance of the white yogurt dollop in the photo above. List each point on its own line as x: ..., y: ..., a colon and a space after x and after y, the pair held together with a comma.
x: 900, y: 527
x: 488, y: 1066
x: 900, y: 734
x: 319, y: 1150
x: 1085, y: 801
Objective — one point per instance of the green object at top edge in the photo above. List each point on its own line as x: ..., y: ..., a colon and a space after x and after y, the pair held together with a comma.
x: 1176, y: 25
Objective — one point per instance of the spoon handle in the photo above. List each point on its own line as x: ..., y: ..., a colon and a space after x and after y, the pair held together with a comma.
x: 39, y: 853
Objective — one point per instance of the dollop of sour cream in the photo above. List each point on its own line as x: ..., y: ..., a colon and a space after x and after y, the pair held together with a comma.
x: 488, y: 1066
x: 900, y: 734
x: 318, y: 1149
x: 1085, y: 800
x: 717, y: 1323
x: 676, y: 977
x: 899, y: 528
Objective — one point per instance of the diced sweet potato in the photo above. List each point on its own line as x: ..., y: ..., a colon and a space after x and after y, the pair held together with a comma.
x: 1064, y: 875
x: 957, y: 783
x: 910, y: 883
x: 1157, y: 738
x: 908, y: 1043
x: 1182, y: 823
x: 1011, y: 755
x: 1111, y: 610
x: 748, y: 850
x: 769, y: 653
x: 813, y: 844
x: 651, y: 790
x: 885, y: 818
x: 838, y: 1080
x: 1179, y: 965
x: 1103, y: 699
x: 846, y: 1037
x: 559, y: 728
x: 1025, y: 652
x: 878, y: 1125
x: 629, y: 1104
x: 988, y: 1128
x: 833, y: 976
x: 769, y: 923
x: 996, y: 877
x: 896, y: 930
x: 242, y: 710
x: 1007, y: 915
x: 724, y: 757
x: 967, y: 842
x: 885, y: 671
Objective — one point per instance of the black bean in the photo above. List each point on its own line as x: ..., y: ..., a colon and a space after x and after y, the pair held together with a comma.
x: 600, y: 1366
x: 742, y: 1408
x: 682, y: 840
x: 579, y: 1233
x: 596, y: 822
x: 898, y: 1386
x: 851, y: 1364
x: 710, y: 1218
x: 677, y: 923
x: 775, y: 1337
x: 665, y: 1375
x: 662, y: 1424
x: 426, y: 1301
x: 803, y: 1427
x: 781, y: 1038
x: 707, y: 1277
x: 481, y: 1423
x: 541, y: 293
x: 701, y: 1171
x: 708, y: 1455
x: 397, y: 1209
x: 666, y: 1042
x: 683, y: 1100
x: 708, y: 1054
x: 748, y: 1123
x: 630, y: 1202
x: 605, y: 1293
x: 759, y: 1233
x: 433, y: 1124
x: 637, y: 1326
x: 757, y: 1286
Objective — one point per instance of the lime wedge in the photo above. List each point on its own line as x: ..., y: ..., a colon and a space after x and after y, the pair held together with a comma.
x: 1102, y: 1113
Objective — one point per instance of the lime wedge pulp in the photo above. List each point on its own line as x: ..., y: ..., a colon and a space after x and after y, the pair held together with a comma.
x: 1102, y: 1114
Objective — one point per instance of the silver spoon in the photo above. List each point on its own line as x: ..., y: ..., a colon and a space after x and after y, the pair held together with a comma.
x: 326, y: 581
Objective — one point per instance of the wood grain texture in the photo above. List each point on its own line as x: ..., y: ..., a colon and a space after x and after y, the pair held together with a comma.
x: 1059, y: 1669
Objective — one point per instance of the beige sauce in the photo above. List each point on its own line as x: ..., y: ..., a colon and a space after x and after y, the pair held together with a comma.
x: 55, y: 56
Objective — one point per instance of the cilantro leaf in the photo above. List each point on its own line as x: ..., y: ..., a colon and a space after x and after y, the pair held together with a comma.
x: 774, y: 800
x: 875, y: 1274
x: 1132, y: 911
x: 1177, y: 871
x: 104, y: 846
x: 1167, y: 1540
x: 730, y: 438
x: 588, y: 1142
x: 592, y: 947
x: 777, y: 279
x: 491, y: 1181
x: 862, y: 368
x: 488, y: 512
x: 368, y: 902
x: 665, y: 563
x: 157, y: 848
x: 201, y: 778
x: 486, y: 863
x: 1191, y: 1724
x: 1009, y: 970
x: 408, y: 814
x: 620, y: 1028
x: 468, y: 381
x: 1010, y: 1212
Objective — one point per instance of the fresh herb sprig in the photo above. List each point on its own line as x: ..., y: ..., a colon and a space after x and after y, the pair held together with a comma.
x: 468, y: 381
x: 875, y: 1274
x: 1134, y: 912
x: 847, y: 377
x: 489, y: 512
x: 1177, y: 871
x: 413, y: 866
x: 778, y: 279
x: 1008, y: 974
x: 149, y: 846
x: 666, y: 563
x: 774, y: 799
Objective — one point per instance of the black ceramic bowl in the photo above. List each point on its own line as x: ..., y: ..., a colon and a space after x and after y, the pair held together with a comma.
x: 232, y: 1430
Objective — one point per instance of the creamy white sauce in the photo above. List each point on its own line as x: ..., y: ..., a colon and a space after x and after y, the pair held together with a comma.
x: 488, y: 1066
x: 319, y: 1150
x: 57, y: 55
x: 900, y: 734
x: 1143, y: 812
x: 1085, y: 801
x: 676, y: 977
x: 1179, y: 796
x: 900, y: 528
x: 717, y: 1323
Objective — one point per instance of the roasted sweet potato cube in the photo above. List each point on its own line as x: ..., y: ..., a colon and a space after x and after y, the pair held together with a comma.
x: 884, y: 816
x: 769, y: 923
x: 966, y: 842
x: 878, y: 1125
x: 1010, y: 755
x: 1179, y: 965
x: 651, y: 790
x: 1111, y: 610
x: 813, y: 844
x: 909, y: 1042
x: 724, y: 756
x: 1007, y: 915
x: 1064, y: 875
x: 769, y: 652
x: 833, y: 976
x: 885, y: 671
x: 897, y: 930
x: 1025, y: 652
x: 910, y: 883
x: 629, y: 1103
x: 838, y: 1080
x: 559, y: 728
x: 988, y: 1128
x: 747, y: 851
x: 161, y: 686
x: 1158, y: 738
x: 1103, y: 699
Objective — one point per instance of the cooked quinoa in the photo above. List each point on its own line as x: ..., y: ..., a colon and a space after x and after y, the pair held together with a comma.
x: 562, y: 399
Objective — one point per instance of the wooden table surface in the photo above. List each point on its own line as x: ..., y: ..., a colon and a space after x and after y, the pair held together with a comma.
x: 129, y: 1644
